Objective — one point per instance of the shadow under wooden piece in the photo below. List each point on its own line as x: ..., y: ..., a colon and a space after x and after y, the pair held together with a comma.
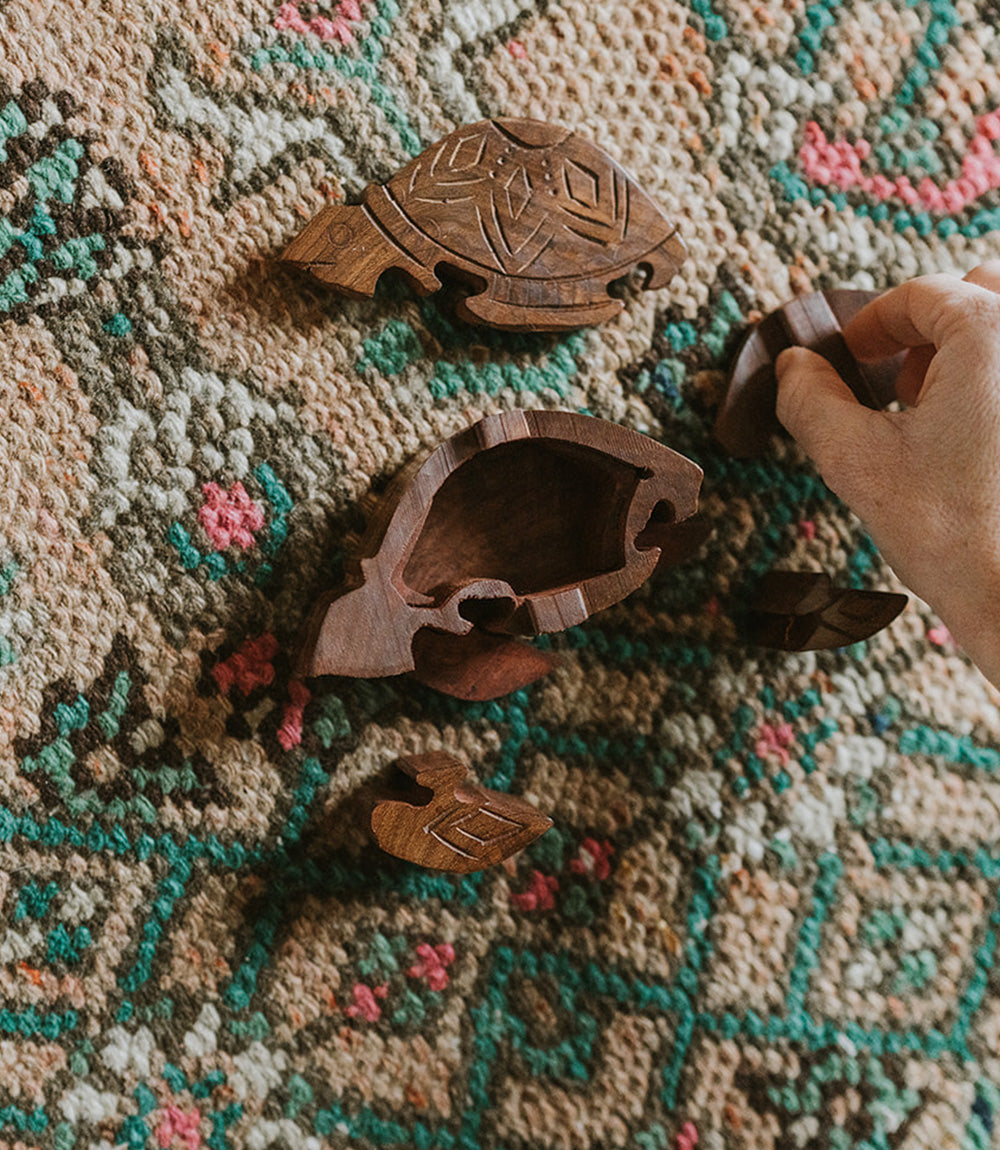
x: 527, y: 522
x: 747, y: 420
x: 533, y: 219
x: 443, y: 821
x: 803, y: 611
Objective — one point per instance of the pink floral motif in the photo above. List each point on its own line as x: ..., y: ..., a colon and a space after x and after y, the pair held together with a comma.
x: 230, y: 517
x: 687, y: 1137
x: 326, y: 28
x: 540, y: 894
x: 249, y: 667
x: 517, y: 50
x: 775, y: 741
x: 594, y: 859
x: 290, y: 731
x: 940, y: 636
x: 365, y: 1005
x: 433, y: 964
x: 807, y: 529
x: 177, y: 1124
x: 839, y: 163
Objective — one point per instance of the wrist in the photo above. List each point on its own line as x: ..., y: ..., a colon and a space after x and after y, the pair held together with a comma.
x: 968, y: 603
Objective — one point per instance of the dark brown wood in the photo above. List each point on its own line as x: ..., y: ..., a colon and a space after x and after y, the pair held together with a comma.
x: 527, y: 522
x: 803, y: 611
x: 747, y: 420
x: 677, y: 542
x: 448, y: 823
x: 479, y: 665
x: 536, y: 220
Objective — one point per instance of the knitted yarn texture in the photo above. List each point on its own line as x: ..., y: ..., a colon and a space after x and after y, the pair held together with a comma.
x: 767, y: 914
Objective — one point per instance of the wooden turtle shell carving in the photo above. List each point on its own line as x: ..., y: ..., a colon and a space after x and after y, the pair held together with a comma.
x: 537, y: 219
x: 527, y: 522
x: 747, y: 419
x: 446, y: 822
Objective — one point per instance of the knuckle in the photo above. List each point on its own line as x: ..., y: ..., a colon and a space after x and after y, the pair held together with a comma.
x: 975, y: 316
x: 945, y: 305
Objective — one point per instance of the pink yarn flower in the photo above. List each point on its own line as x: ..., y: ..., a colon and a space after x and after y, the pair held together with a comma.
x: 433, y: 964
x: 365, y: 1005
x: 775, y: 741
x: 177, y: 1124
x: 290, y: 731
x: 249, y: 667
x: 540, y: 894
x: 230, y: 517
x: 687, y: 1137
x: 594, y: 859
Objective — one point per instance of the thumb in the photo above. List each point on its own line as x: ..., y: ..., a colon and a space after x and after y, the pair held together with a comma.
x: 845, y: 440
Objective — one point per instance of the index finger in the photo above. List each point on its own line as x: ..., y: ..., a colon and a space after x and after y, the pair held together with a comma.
x: 922, y: 311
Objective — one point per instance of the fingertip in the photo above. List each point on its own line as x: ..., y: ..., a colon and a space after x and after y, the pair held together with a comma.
x: 793, y: 359
x: 986, y: 275
x: 783, y: 362
x: 800, y: 373
x: 925, y: 310
x: 990, y: 266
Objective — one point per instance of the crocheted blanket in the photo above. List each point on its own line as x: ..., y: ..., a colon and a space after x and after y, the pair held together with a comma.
x: 767, y: 913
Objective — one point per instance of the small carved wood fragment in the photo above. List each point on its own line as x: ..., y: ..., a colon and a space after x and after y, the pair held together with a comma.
x: 448, y: 823
x: 525, y: 523
x: 804, y: 611
x: 747, y: 419
x: 536, y: 220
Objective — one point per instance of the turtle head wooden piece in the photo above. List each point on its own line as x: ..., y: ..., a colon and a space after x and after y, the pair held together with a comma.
x: 525, y: 523
x: 537, y: 220
x: 344, y: 247
x: 445, y: 821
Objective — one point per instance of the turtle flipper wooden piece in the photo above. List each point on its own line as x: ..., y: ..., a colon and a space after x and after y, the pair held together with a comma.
x: 479, y: 665
x: 747, y: 419
x: 546, y: 310
x: 536, y: 219
x: 526, y: 523
x: 676, y: 542
x: 803, y: 611
x: 459, y: 826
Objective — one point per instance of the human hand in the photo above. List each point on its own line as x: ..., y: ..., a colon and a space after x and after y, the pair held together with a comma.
x: 925, y: 480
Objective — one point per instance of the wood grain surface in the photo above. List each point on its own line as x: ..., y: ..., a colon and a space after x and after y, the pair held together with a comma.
x: 533, y: 219
x: 804, y: 611
x: 746, y: 420
x: 525, y: 523
x: 446, y: 822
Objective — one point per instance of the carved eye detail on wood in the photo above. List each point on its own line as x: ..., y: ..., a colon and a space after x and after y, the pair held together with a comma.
x: 526, y: 523
x: 449, y: 823
x: 537, y: 220
x: 747, y: 419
